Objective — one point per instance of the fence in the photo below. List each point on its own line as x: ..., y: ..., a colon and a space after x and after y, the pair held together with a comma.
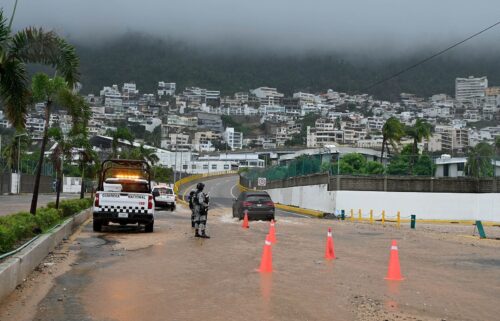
x: 27, y: 166
x: 411, y: 166
x: 386, y: 183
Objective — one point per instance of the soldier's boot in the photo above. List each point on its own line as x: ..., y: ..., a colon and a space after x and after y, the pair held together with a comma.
x: 196, y: 234
x: 204, y: 235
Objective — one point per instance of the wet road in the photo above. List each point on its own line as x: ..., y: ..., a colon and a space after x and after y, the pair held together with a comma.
x: 16, y: 203
x: 124, y: 274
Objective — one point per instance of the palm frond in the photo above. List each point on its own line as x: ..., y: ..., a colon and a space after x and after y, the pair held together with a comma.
x: 33, y: 45
x: 14, y: 92
x: 4, y: 30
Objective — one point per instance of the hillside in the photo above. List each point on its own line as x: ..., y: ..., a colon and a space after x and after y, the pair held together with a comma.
x: 147, y: 60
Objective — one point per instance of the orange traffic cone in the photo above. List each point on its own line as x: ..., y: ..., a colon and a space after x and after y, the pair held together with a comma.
x: 272, y: 232
x: 245, y: 220
x: 394, y: 271
x: 266, y: 263
x: 329, y: 252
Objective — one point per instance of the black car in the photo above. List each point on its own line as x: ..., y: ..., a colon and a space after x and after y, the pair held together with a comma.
x: 258, y: 204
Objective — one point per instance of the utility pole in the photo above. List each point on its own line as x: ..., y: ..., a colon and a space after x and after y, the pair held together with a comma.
x: 18, y: 161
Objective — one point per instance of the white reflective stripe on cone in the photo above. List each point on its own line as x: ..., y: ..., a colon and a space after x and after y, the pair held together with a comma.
x: 394, y: 247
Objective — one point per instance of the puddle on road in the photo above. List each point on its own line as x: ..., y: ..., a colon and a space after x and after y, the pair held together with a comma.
x: 228, y: 219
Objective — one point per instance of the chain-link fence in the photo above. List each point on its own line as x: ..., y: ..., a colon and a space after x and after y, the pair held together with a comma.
x: 400, y: 165
x: 27, y: 166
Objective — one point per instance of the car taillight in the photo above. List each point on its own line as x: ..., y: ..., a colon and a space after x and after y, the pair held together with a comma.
x: 269, y: 203
x: 96, y: 200
x: 247, y: 204
x: 150, y: 202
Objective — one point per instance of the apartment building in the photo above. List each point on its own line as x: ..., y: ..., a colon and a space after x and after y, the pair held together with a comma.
x: 166, y: 89
x: 233, y: 138
x: 268, y: 96
x: 468, y: 88
x: 453, y: 138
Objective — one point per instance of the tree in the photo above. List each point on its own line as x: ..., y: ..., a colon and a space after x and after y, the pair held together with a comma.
x: 497, y: 146
x: 62, y: 151
x: 30, y: 45
x: 45, y: 90
x: 14, y: 148
x: 162, y: 174
x: 121, y: 133
x: 479, y: 160
x: 221, y: 146
x: 392, y: 132
x: 141, y: 153
x: 421, y: 130
x: 296, y: 140
x: 401, y: 164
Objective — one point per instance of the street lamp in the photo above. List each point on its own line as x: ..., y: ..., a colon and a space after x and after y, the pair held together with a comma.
x: 18, y: 160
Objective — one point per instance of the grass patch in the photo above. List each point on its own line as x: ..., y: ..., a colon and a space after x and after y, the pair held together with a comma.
x: 20, y: 226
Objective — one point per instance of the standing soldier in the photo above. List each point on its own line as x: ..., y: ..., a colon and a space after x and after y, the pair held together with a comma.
x: 201, y: 210
x: 191, y: 205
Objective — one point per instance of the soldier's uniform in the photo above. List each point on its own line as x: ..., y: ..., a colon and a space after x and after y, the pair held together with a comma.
x: 191, y: 206
x: 200, y: 211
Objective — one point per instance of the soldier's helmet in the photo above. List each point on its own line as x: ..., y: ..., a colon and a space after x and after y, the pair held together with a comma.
x: 200, y: 186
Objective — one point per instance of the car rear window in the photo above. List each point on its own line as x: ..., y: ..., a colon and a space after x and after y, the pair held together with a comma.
x: 164, y: 191
x: 257, y: 198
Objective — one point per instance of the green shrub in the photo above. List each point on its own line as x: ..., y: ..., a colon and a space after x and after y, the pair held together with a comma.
x: 17, y: 227
x: 47, y: 217
x: 7, y: 239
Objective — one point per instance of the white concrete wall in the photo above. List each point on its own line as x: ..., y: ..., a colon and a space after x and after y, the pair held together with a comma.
x: 315, y: 197
x: 14, y: 183
x: 71, y: 184
x: 439, y: 206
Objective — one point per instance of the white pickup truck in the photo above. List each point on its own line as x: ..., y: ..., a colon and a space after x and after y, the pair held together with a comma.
x: 124, y: 195
x: 164, y: 196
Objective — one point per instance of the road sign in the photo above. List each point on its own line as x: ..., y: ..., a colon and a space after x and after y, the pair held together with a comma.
x: 262, y: 181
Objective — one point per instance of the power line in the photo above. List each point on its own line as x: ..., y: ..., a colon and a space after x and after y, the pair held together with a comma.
x: 430, y: 57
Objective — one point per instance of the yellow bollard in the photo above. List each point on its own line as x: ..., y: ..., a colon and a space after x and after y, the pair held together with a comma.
x: 352, y: 215
x: 383, y: 217
x: 399, y: 219
x: 360, y: 215
x: 371, y: 216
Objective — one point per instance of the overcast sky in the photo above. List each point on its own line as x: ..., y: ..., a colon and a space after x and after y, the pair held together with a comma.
x: 400, y: 25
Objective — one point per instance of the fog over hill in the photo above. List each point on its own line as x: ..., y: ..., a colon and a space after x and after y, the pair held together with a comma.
x: 147, y: 60
x: 293, y: 45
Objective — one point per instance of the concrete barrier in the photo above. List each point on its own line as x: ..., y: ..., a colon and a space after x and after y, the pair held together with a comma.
x: 14, y: 270
x: 432, y: 207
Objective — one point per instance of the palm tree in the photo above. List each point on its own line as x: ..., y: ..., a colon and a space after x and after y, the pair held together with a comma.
x: 60, y: 152
x: 14, y: 149
x: 148, y: 154
x: 45, y: 90
x: 479, y: 160
x: 30, y: 45
x: 392, y: 131
x: 421, y: 130
x: 121, y: 133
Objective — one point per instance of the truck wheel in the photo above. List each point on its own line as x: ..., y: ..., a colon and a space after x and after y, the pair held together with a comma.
x: 97, y: 226
x: 172, y: 208
x: 148, y: 228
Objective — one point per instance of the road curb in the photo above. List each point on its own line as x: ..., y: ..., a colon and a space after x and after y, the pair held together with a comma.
x: 17, y: 268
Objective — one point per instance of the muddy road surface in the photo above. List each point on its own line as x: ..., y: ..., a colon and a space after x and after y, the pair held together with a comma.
x: 125, y: 274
